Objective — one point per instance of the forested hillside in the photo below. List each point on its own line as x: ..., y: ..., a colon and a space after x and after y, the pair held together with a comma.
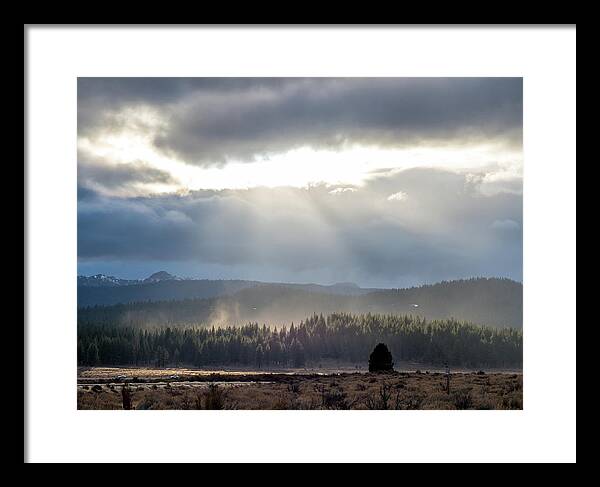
x: 107, y: 290
x: 496, y: 302
x: 342, y: 337
x: 158, y: 291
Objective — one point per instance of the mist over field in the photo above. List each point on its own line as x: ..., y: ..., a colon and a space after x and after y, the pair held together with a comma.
x: 494, y: 302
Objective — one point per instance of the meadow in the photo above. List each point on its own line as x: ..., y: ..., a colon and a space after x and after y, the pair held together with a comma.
x: 188, y: 389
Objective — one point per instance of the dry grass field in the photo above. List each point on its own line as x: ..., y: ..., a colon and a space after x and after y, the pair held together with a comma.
x: 102, y: 388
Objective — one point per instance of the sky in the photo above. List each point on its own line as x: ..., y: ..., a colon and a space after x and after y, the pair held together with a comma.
x: 384, y: 182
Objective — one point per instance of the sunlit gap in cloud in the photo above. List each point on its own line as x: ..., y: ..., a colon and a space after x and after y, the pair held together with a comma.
x: 310, y: 216
x: 300, y: 167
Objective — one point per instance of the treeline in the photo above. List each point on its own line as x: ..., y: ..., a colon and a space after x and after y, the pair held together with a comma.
x: 340, y: 336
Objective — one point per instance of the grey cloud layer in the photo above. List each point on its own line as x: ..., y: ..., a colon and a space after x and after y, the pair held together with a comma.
x: 96, y: 173
x: 440, y: 225
x: 443, y: 229
x: 211, y: 120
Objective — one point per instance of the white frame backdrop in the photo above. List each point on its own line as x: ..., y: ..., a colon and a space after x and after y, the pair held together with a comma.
x: 543, y: 431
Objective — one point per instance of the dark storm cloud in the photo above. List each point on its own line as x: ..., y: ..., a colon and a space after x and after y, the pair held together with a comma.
x: 99, y: 98
x: 95, y: 173
x: 117, y: 91
x: 211, y: 120
x: 444, y: 228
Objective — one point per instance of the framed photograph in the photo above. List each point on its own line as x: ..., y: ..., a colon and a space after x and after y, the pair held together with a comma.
x: 344, y: 240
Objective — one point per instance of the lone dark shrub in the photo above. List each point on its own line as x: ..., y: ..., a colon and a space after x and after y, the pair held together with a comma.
x: 381, y: 359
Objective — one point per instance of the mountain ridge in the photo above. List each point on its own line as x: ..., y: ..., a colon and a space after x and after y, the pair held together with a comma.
x: 102, y: 289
